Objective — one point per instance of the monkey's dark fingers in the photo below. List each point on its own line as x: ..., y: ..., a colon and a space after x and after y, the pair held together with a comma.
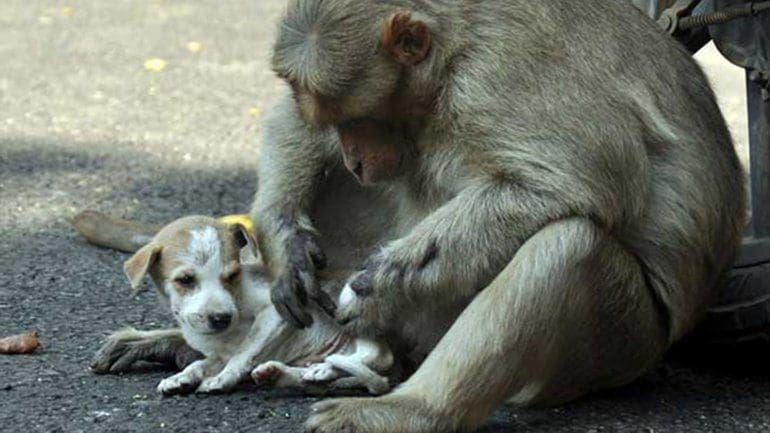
x: 284, y: 296
x: 316, y: 255
x: 295, y: 316
x: 324, y: 301
x: 313, y: 250
x: 308, y: 285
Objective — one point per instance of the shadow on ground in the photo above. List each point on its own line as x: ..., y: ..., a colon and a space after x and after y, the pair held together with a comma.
x: 74, y: 293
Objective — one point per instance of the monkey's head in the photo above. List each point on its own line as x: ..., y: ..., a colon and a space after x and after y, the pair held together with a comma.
x: 350, y: 65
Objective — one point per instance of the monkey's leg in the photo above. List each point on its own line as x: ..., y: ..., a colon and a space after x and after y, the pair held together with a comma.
x: 571, y: 313
x: 125, y: 347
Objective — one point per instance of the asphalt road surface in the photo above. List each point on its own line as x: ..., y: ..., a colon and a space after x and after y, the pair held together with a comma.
x: 150, y: 110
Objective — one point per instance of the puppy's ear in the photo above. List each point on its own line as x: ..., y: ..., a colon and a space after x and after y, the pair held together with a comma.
x: 137, y: 267
x: 245, y: 238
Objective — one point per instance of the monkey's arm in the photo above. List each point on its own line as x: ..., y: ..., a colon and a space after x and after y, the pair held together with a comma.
x: 292, y: 162
x: 455, y: 251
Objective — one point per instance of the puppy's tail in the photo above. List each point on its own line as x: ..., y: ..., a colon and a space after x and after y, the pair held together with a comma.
x: 115, y: 233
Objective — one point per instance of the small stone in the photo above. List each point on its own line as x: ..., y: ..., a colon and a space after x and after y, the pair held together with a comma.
x: 100, y: 415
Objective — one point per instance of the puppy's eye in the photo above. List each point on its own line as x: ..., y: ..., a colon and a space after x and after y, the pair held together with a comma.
x: 185, y: 281
x: 233, y: 276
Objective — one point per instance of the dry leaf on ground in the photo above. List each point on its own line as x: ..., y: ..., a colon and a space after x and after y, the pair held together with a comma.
x: 19, y: 344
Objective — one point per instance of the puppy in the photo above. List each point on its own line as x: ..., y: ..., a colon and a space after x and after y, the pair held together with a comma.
x: 211, y: 276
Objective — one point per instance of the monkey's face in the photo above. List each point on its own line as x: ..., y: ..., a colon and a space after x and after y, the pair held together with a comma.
x: 347, y: 62
x: 330, y: 54
x: 374, y: 151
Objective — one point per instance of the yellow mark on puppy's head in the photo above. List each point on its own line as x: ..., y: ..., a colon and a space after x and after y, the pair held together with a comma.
x: 241, y: 219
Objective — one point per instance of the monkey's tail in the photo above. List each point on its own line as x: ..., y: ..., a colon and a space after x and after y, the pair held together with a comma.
x: 114, y: 233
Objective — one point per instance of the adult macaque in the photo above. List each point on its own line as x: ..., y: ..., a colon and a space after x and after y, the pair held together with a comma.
x: 568, y: 196
x: 571, y: 184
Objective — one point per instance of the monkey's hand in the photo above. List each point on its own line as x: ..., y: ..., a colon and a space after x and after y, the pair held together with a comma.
x: 292, y: 164
x: 297, y: 282
x: 448, y: 256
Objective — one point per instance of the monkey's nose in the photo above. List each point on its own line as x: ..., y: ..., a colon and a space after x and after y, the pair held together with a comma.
x: 220, y: 321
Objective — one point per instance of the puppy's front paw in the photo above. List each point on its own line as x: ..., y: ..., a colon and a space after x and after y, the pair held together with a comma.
x: 181, y: 383
x: 221, y: 383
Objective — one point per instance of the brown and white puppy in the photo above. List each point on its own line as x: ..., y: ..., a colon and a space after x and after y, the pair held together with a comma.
x: 210, y: 275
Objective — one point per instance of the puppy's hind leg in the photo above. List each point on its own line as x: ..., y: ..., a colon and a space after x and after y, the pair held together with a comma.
x: 125, y: 347
x: 364, y: 365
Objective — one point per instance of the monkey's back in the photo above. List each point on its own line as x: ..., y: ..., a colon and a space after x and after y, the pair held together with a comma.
x: 622, y: 121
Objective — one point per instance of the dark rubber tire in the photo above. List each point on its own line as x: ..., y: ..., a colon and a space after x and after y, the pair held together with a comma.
x: 742, y: 313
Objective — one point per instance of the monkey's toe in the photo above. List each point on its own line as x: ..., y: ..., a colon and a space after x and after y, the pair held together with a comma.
x: 388, y: 414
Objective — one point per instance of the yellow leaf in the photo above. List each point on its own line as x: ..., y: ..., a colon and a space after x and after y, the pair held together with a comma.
x: 155, y: 64
x: 255, y: 111
x: 241, y: 219
x: 194, y: 46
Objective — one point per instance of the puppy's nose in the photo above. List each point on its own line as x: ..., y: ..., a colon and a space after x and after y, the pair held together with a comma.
x: 220, y: 321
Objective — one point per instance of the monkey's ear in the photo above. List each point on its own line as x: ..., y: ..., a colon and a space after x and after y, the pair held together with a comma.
x: 405, y: 39
x: 139, y: 264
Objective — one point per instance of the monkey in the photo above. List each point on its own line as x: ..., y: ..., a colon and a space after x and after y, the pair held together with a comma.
x: 563, y: 197
x: 574, y: 190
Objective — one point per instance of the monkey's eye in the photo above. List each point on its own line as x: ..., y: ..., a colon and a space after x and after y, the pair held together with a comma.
x: 186, y: 281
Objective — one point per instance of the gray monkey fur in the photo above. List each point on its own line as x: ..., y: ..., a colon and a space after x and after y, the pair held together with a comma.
x: 576, y: 190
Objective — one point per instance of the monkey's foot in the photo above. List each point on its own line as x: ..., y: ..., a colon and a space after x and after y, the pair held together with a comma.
x: 387, y: 414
